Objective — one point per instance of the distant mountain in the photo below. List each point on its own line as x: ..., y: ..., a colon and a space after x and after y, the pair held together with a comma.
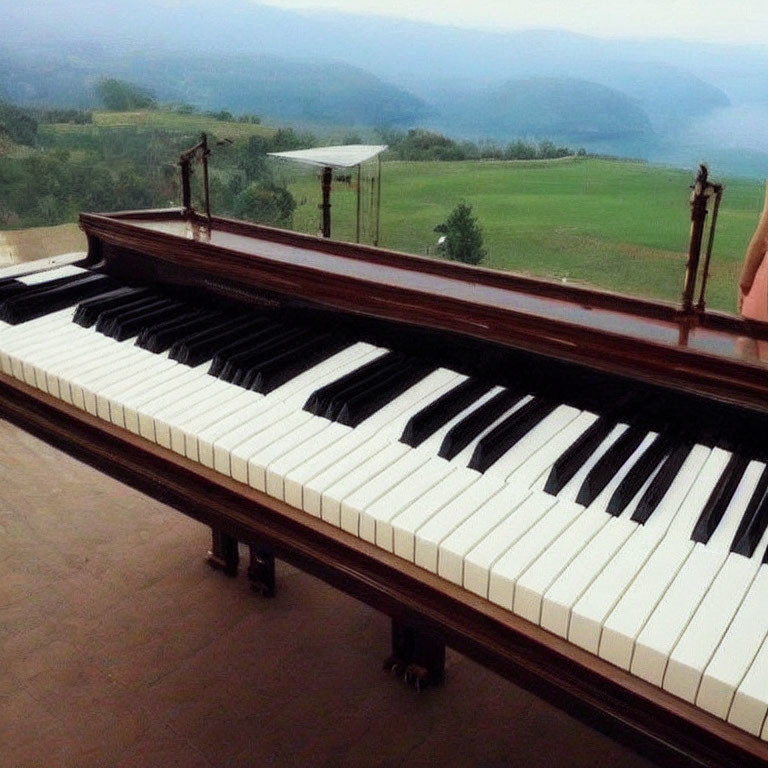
x: 559, y: 108
x: 673, y: 82
x: 312, y: 91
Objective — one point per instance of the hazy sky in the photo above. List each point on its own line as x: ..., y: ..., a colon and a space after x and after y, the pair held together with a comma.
x: 735, y: 21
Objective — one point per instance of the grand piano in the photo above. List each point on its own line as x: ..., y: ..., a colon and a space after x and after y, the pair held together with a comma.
x: 567, y: 485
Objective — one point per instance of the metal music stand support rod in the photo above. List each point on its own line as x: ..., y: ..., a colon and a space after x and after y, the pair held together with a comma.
x: 703, y: 190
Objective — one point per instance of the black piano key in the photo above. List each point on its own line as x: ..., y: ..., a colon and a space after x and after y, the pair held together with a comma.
x: 638, y: 475
x: 107, y: 318
x: 438, y: 413
x: 285, y: 367
x: 609, y: 464
x: 203, y: 345
x: 45, y: 299
x: 574, y: 458
x: 507, y: 433
x: 11, y: 288
x: 88, y: 311
x: 319, y: 400
x: 755, y: 520
x: 660, y: 484
x: 133, y: 324
x: 160, y: 337
x: 268, y: 343
x: 720, y: 498
x: 460, y: 435
x: 273, y: 359
x: 372, y: 384
x: 359, y: 408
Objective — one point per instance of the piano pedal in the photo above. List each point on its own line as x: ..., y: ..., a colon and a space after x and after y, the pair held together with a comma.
x: 223, y: 555
x: 417, y: 677
x: 395, y: 666
x: 417, y: 657
x: 261, y: 570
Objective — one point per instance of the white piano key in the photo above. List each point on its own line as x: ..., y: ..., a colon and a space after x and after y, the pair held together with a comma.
x: 402, y: 530
x: 451, y: 516
x: 334, y: 495
x: 40, y: 278
x: 481, y: 558
x: 628, y: 619
x: 265, y: 455
x: 390, y: 420
x: 256, y: 417
x: 300, y: 456
x: 579, y: 573
x: 737, y: 649
x: 241, y: 453
x: 84, y: 381
x: 398, y: 498
x: 215, y: 441
x: 636, y: 577
x: 692, y: 654
x: 750, y: 704
x: 201, y: 431
x: 136, y: 385
x: 194, y: 398
x: 538, y: 464
x: 36, y: 333
x: 196, y: 405
x: 532, y: 585
x: 342, y: 457
x: 222, y: 408
x: 220, y: 401
x: 455, y: 547
x: 67, y: 349
x: 399, y: 472
x: 596, y: 556
x: 87, y: 388
x: 516, y: 560
x: 673, y: 612
x: 546, y: 430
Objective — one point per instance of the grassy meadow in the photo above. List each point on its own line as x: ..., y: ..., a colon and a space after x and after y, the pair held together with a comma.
x: 622, y: 226
x: 613, y: 224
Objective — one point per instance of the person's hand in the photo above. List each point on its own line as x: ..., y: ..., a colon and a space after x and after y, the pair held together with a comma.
x: 743, y: 291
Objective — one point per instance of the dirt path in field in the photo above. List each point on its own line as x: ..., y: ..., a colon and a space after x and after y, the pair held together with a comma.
x: 39, y: 242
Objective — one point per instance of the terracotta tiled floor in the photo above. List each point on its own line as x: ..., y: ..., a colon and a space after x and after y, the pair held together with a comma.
x: 120, y: 647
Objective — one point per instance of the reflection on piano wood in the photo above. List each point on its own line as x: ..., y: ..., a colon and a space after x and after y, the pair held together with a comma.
x: 555, y: 481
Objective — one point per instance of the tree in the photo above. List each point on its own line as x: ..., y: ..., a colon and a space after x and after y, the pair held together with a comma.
x: 17, y: 124
x: 265, y: 203
x: 121, y: 96
x: 463, y: 238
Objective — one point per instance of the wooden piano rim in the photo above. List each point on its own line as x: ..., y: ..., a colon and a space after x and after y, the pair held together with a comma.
x: 646, y: 718
x: 693, y: 370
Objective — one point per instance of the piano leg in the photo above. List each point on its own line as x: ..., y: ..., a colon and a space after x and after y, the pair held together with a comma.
x: 417, y: 656
x: 223, y: 555
x: 261, y: 570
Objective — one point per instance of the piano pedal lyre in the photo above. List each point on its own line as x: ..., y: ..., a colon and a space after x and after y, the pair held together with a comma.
x: 223, y: 555
x: 261, y: 570
x: 417, y: 657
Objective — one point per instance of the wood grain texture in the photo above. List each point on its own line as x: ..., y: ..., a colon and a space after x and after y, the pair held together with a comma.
x: 655, y: 723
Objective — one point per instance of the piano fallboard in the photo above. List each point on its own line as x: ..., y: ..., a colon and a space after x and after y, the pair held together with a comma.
x: 651, y: 341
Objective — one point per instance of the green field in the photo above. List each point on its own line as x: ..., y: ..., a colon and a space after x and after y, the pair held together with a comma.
x: 617, y: 225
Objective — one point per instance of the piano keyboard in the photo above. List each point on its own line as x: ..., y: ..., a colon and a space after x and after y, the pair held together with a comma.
x: 642, y: 547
